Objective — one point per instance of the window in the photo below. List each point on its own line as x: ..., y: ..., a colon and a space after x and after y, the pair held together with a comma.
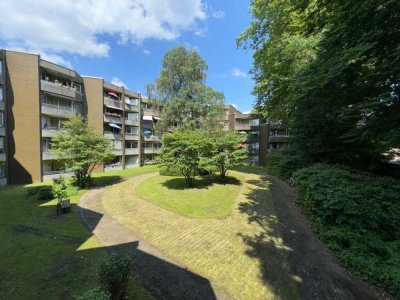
x: 132, y: 116
x: 1, y: 119
x: 131, y: 130
x: 1, y: 93
x: 2, y: 170
x: 1, y: 67
x: 131, y: 101
x: 1, y: 144
x: 254, y: 122
x: 131, y: 144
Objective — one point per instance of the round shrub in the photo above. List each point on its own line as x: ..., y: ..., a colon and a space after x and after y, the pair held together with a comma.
x: 94, y: 294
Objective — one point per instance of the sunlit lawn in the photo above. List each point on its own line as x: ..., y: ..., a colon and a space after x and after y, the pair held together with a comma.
x: 45, y: 256
x: 208, y: 198
x: 242, y: 254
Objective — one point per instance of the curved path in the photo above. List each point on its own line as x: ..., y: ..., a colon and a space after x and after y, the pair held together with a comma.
x: 281, y: 232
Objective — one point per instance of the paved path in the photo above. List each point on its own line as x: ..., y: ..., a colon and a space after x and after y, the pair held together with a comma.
x: 321, y: 277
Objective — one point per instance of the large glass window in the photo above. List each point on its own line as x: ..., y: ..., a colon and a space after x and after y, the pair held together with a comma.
x: 132, y: 116
x: 1, y: 93
x: 1, y: 144
x: 254, y: 122
x: 2, y: 170
x: 1, y: 119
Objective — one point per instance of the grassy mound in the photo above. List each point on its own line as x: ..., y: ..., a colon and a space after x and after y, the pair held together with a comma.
x: 208, y: 199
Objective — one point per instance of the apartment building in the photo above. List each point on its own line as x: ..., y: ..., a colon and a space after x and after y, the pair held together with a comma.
x: 37, y: 96
x: 262, y: 136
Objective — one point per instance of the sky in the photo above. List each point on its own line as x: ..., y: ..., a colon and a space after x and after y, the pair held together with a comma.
x: 124, y: 41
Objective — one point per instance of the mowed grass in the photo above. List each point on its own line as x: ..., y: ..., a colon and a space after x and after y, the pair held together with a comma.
x: 207, y: 199
x: 242, y: 254
x: 45, y: 256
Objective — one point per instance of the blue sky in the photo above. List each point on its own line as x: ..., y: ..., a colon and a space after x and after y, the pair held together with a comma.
x: 125, y: 42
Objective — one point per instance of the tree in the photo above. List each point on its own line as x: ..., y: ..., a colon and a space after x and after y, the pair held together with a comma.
x: 332, y: 72
x: 225, y: 151
x: 80, y: 148
x: 182, y: 149
x: 187, y: 102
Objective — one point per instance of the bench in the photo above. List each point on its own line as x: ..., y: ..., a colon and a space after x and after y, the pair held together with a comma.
x: 63, y: 206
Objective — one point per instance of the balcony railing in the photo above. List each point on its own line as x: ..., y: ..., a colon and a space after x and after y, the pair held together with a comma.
x: 58, y: 88
x: 112, y: 103
x: 242, y: 126
x: 60, y: 111
x: 151, y: 150
x: 112, y: 135
x: 131, y: 151
x: 131, y: 136
x: 50, y: 131
x: 131, y: 122
x: 152, y: 138
x: 112, y: 119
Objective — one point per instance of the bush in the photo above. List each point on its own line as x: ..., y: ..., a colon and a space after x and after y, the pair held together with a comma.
x: 59, y: 189
x: 114, y: 274
x: 44, y: 193
x: 282, y: 163
x: 358, y: 216
x: 94, y: 294
x: 170, y: 171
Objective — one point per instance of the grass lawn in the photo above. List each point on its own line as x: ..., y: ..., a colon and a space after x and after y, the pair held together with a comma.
x: 45, y: 256
x: 208, y: 199
x: 242, y: 254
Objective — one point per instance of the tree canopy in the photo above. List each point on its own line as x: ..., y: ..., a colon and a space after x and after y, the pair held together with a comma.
x: 187, y: 101
x: 331, y: 70
x: 80, y: 148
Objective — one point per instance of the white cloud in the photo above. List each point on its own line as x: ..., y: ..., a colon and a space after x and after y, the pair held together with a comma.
x: 247, y: 112
x: 238, y: 73
x: 146, y: 52
x: 79, y: 27
x: 118, y: 82
x: 218, y: 14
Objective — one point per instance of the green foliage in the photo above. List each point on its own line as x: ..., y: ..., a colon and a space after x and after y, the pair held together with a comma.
x: 282, y: 163
x: 95, y: 294
x: 114, y: 274
x: 173, y: 171
x: 44, y: 193
x: 224, y: 152
x: 358, y: 216
x: 80, y: 148
x: 59, y: 188
x: 182, y: 150
x: 187, y: 102
x: 332, y: 73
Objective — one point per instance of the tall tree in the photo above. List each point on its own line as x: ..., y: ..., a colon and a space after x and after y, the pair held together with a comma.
x: 331, y: 70
x: 187, y: 101
x: 80, y: 148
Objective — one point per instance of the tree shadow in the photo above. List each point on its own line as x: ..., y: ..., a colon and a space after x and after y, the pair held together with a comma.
x: 292, y: 261
x: 58, y: 242
x: 204, y: 182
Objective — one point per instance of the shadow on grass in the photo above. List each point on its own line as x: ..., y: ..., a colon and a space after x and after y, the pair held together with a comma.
x: 179, y: 183
x: 293, y: 262
x: 49, y: 252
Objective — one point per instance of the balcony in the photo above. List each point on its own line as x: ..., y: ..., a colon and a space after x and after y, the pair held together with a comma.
x: 59, y: 111
x: 112, y: 103
x: 131, y: 151
x: 2, y: 131
x: 131, y: 137
x: 132, y: 122
x: 152, y: 138
x: 50, y: 131
x: 59, y: 89
x: 151, y: 150
x: 117, y: 152
x: 47, y: 155
x: 129, y: 107
x: 151, y: 112
x: 112, y: 119
x: 242, y: 126
x: 112, y: 135
x: 278, y: 138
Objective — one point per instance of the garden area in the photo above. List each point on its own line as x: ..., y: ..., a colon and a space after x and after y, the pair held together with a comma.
x: 50, y: 255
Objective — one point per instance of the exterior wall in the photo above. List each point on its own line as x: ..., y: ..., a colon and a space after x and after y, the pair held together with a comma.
x: 3, y: 126
x: 93, y: 89
x: 23, y: 111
